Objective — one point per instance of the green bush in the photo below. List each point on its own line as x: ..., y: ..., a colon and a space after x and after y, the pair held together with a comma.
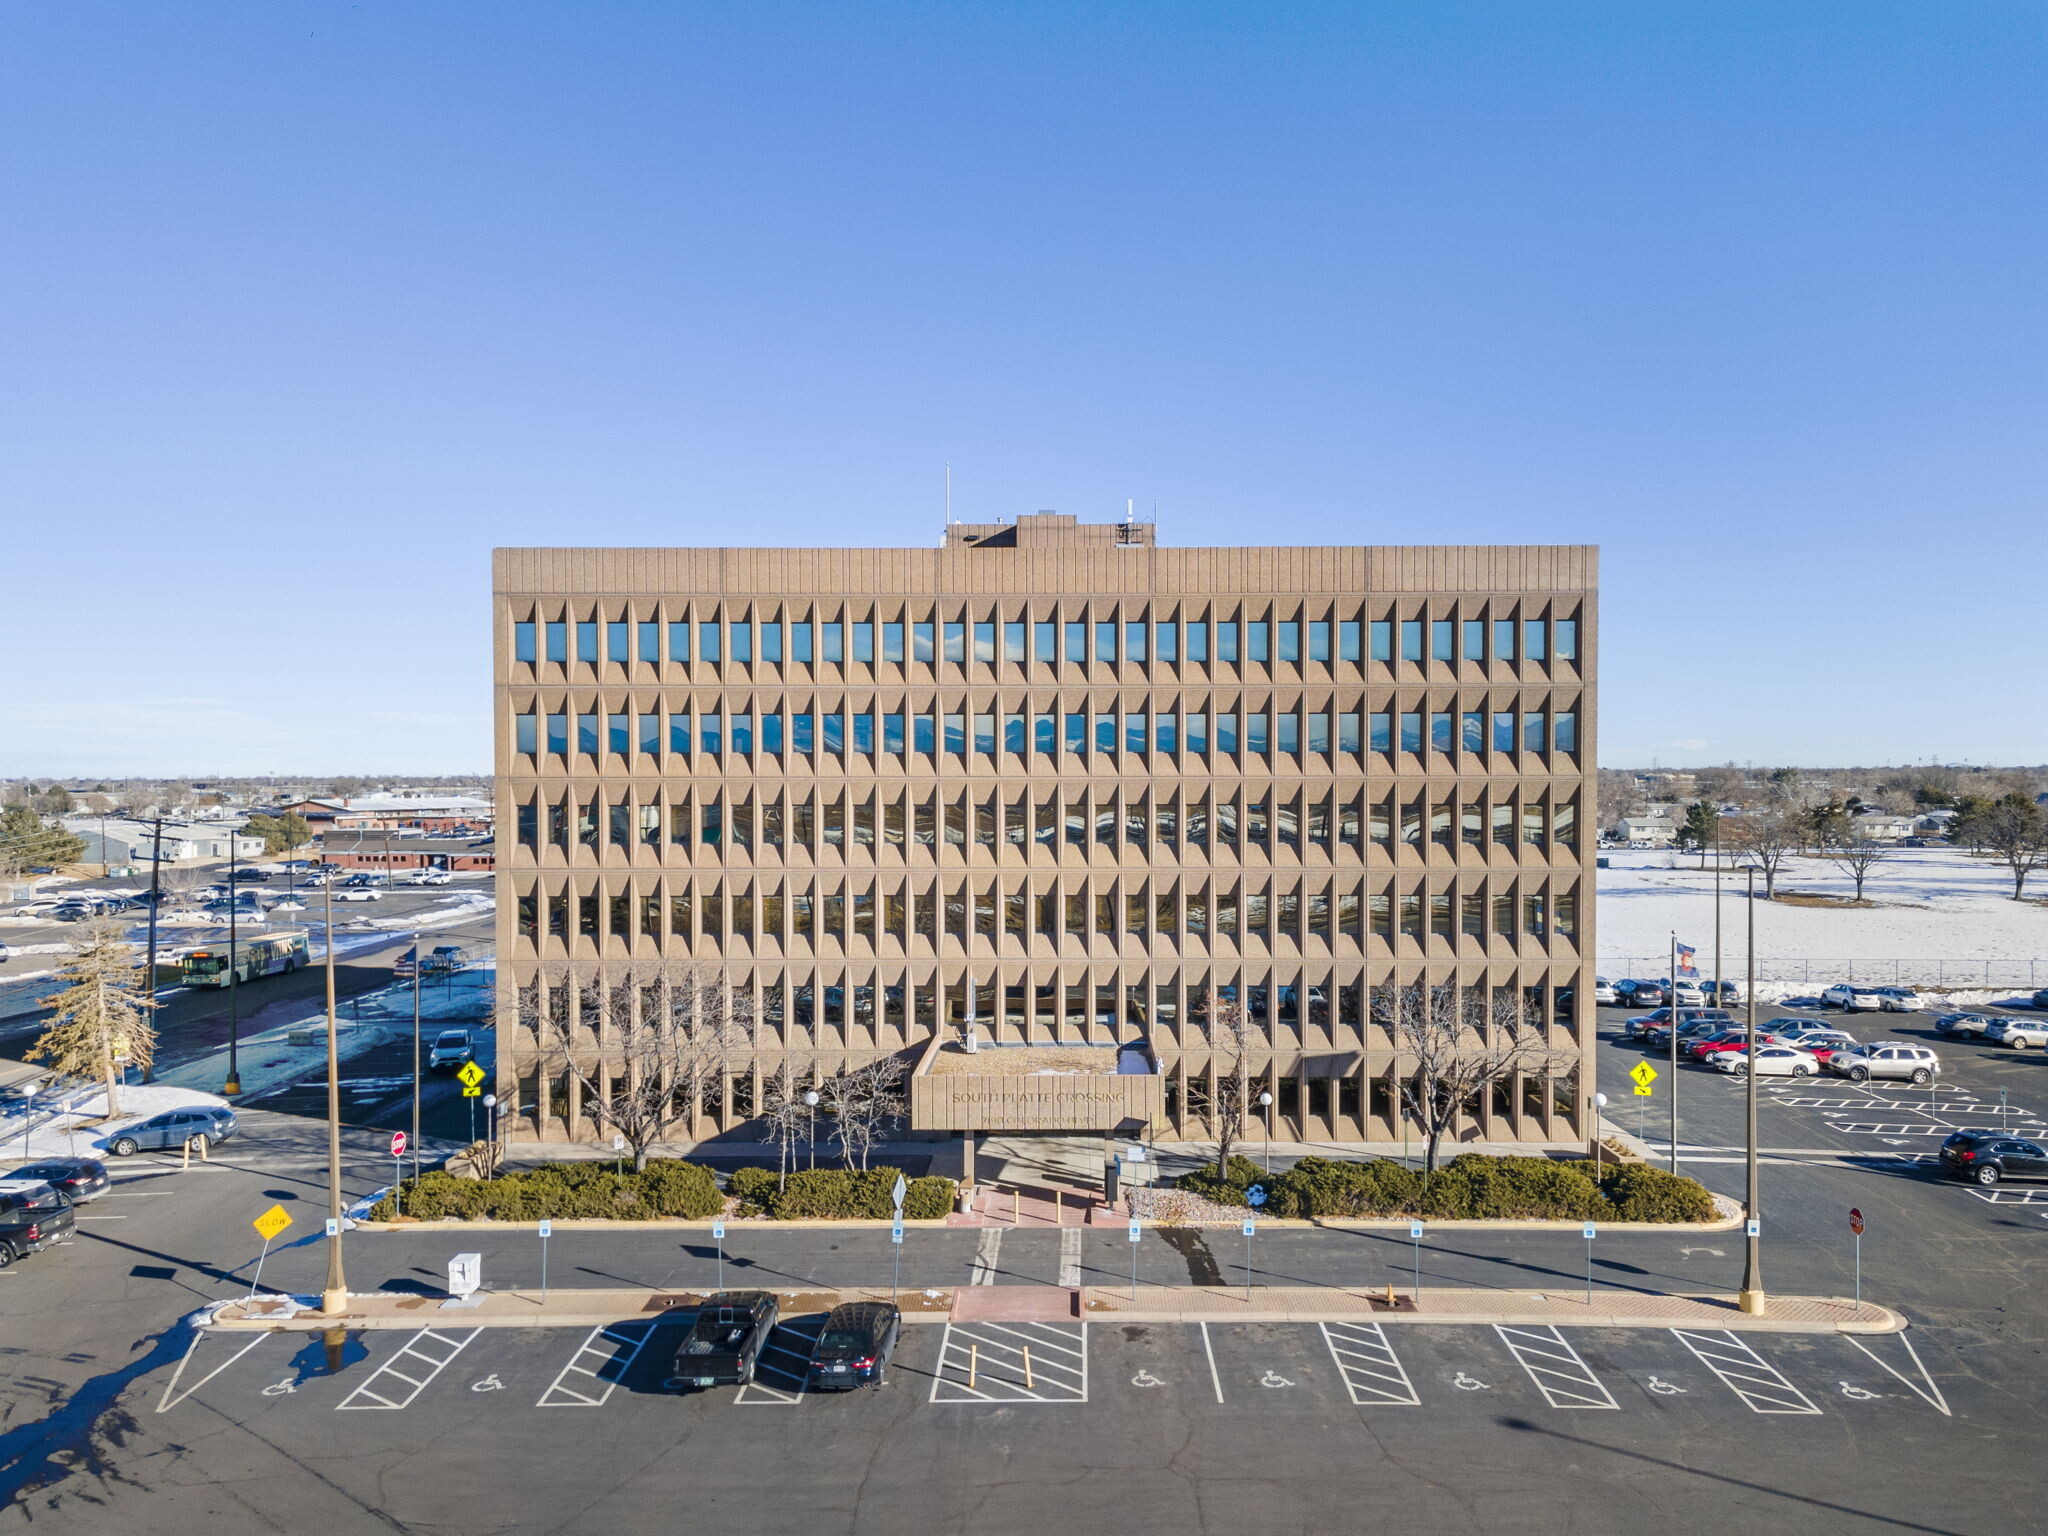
x: 841, y: 1194
x: 1639, y: 1192
x: 561, y: 1190
x: 1320, y: 1186
x: 1228, y: 1190
x: 1476, y: 1187
x: 930, y: 1198
x: 754, y: 1188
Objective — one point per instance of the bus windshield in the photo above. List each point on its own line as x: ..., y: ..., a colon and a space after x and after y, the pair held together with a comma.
x: 205, y: 965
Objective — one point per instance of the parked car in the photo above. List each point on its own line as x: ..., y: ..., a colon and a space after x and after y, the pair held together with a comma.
x: 446, y: 957
x: 1603, y: 992
x: 1710, y: 1021
x: 1774, y: 1060
x: 1821, y: 1044
x: 33, y: 1216
x: 1792, y: 1024
x: 82, y: 1178
x: 1723, y: 1041
x: 1853, y: 999
x: 2017, y: 1033
x: 1893, y: 1059
x: 1685, y: 992
x: 359, y: 893
x: 253, y: 875
x: 450, y: 1050
x: 1986, y: 1157
x: 854, y: 1346
x: 1898, y: 999
x: 1963, y: 1025
x: 731, y: 1329
x: 172, y: 1128
x: 1647, y: 1024
x: 2041, y: 998
x: 1636, y: 993
x: 1721, y: 994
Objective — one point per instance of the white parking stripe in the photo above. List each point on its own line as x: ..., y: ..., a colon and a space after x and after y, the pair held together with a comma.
x: 786, y: 1358
x: 1929, y: 1394
x: 985, y: 1363
x: 1746, y: 1373
x: 985, y: 1252
x: 602, y: 1372
x: 1560, y: 1373
x: 172, y: 1396
x: 1372, y: 1372
x: 439, y: 1349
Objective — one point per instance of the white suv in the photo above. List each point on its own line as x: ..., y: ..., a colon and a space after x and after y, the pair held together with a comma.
x: 2017, y: 1033
x: 1894, y: 1059
x: 1853, y: 999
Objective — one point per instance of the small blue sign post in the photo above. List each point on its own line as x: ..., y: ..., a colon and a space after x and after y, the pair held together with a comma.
x: 1589, y: 1263
x: 1250, y: 1226
x: 718, y: 1236
x: 1415, y: 1237
x: 1134, y: 1259
x: 547, y: 1230
x: 896, y: 1253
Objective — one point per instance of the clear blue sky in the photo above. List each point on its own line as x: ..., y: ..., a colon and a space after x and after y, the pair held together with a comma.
x: 308, y: 305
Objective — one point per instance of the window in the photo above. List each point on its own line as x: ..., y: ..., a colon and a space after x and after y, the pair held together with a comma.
x: 1442, y: 639
x: 1198, y: 642
x: 1077, y: 644
x: 985, y: 644
x: 650, y: 735
x: 1013, y: 643
x: 1045, y: 642
x: 1226, y: 641
x: 1472, y: 733
x: 1564, y: 634
x: 650, y: 643
x: 1440, y: 733
x: 558, y: 642
x: 1014, y: 735
x: 1411, y: 731
x: 619, y: 734
x: 586, y: 733
x: 1475, y: 640
x: 1535, y: 640
x: 1382, y: 739
x: 1319, y: 640
x: 892, y: 643
x: 707, y: 643
x: 1348, y: 738
x: 832, y: 733
x: 1564, y: 736
x: 1166, y: 731
x: 956, y: 643
x: 679, y: 641
x: 1533, y: 734
x: 1045, y: 731
x: 956, y: 735
x: 618, y: 642
x: 1503, y: 732
x: 1166, y: 641
x: 586, y: 642
x: 741, y: 639
x: 864, y: 642
x: 1134, y: 643
x: 1196, y: 739
x: 1287, y: 640
x: 926, y: 729
x: 527, y: 733
x: 892, y: 735
x: 679, y: 733
x: 864, y: 734
x: 771, y: 734
x: 710, y: 738
x: 922, y: 642
x: 1256, y: 739
x: 835, y: 642
x: 985, y: 735
x: 1256, y: 647
x: 1503, y: 639
x: 803, y: 733
x: 1287, y: 733
x: 1347, y: 640
x: 771, y: 641
x: 1105, y: 733
x: 523, y: 641
x: 1382, y: 640
x: 1105, y: 644
x: 1411, y: 639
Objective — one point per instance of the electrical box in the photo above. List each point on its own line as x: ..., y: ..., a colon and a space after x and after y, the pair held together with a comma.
x: 465, y: 1273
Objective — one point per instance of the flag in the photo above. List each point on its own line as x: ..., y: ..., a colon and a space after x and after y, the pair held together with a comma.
x: 1685, y: 965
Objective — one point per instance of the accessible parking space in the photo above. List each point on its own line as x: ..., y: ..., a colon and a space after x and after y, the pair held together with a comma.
x: 1012, y: 1363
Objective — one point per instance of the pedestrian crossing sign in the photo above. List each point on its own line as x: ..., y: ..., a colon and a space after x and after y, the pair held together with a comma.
x: 471, y: 1077
x: 1644, y: 1074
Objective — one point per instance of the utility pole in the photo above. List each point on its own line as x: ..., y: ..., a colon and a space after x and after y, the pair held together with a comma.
x: 417, y: 959
x: 334, y: 1300
x: 1752, y: 1298
x: 233, y: 1085
x: 1671, y: 1007
x: 156, y: 894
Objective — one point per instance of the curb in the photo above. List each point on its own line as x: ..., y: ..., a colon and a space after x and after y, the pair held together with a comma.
x: 660, y: 1224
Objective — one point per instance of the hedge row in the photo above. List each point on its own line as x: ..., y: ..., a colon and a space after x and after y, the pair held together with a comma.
x: 669, y: 1188
x: 1470, y: 1187
x: 842, y: 1194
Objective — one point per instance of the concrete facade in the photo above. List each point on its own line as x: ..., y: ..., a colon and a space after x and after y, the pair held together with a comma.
x: 1062, y: 783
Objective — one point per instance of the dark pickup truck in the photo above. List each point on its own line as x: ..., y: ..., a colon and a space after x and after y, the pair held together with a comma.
x: 33, y: 1215
x: 731, y: 1329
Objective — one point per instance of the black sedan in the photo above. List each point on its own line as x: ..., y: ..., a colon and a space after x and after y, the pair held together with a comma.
x: 82, y: 1178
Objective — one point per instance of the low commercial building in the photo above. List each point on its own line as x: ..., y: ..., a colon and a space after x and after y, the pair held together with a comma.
x: 390, y: 851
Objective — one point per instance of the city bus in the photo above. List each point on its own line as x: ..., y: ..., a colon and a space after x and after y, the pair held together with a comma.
x: 271, y: 955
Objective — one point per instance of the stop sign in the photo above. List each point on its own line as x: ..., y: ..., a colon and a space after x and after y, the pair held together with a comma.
x: 398, y: 1143
x: 1855, y: 1221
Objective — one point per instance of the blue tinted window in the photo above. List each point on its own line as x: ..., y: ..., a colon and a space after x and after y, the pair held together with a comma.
x: 1287, y: 732
x: 835, y: 643
x: 1198, y: 732
x: 586, y: 733
x: 523, y: 642
x: 1535, y: 640
x: 1255, y: 646
x: 1135, y: 729
x: 956, y: 642
x: 1565, y: 730
x: 1166, y: 731
x: 1475, y: 640
x: 558, y: 642
x: 1319, y: 640
x: 619, y: 734
x: 921, y: 643
x: 892, y: 735
x: 1077, y: 733
x: 558, y: 734
x: 1134, y: 643
x: 1077, y: 644
x: 1566, y: 633
x: 741, y: 727
x: 740, y: 636
x: 679, y: 733
x: 1256, y: 740
x: 956, y: 735
x: 1442, y: 640
x: 1533, y: 734
x: 1013, y: 734
x: 771, y: 735
x: 1382, y: 731
x: 1382, y: 640
x: 1319, y: 733
x: 1226, y: 730
x: 1198, y: 642
x: 1045, y: 643
x: 1348, y: 738
x: 1504, y: 640
x: 1348, y: 640
x: 1440, y: 733
x: 927, y: 732
x: 679, y: 642
x: 618, y: 641
x: 1166, y: 642
x: 1046, y: 729
x: 1105, y: 644
x: 985, y: 644
x: 892, y: 643
x: 1411, y: 639
x: 803, y: 733
x: 707, y: 643
x: 1503, y: 733
x: 864, y: 642
x: 710, y: 737
x: 586, y: 641
x: 1411, y: 731
x: 650, y: 642
x: 1105, y: 733
x: 1473, y: 732
x: 528, y: 737
x: 833, y: 729
x: 771, y: 643
x: 1287, y: 640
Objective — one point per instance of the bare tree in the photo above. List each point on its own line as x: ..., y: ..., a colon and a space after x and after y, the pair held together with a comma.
x: 1767, y: 836
x: 1856, y: 855
x: 2014, y: 828
x: 1230, y: 1033
x: 100, y: 1022
x: 784, y: 1114
x: 862, y: 1100
x: 648, y: 1050
x: 1459, y: 1049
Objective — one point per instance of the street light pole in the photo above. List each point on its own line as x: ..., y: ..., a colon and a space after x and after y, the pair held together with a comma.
x: 1266, y: 1107
x: 334, y: 1299
x: 233, y: 1085
x: 811, y: 1104
x: 156, y: 894
x: 1752, y: 1299
x: 417, y: 959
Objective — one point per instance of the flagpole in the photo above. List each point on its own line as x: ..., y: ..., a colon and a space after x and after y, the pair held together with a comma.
x: 1671, y: 1002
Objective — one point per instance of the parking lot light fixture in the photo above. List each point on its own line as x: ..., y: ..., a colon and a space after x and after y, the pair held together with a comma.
x: 334, y: 1298
x: 1752, y: 1299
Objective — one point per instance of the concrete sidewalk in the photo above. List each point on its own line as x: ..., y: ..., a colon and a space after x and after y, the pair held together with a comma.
x: 593, y: 1308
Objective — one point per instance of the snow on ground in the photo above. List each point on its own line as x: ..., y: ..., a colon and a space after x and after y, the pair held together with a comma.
x: 67, y: 1135
x: 1935, y: 910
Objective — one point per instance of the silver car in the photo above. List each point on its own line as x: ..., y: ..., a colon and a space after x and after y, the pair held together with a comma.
x: 1897, y: 1060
